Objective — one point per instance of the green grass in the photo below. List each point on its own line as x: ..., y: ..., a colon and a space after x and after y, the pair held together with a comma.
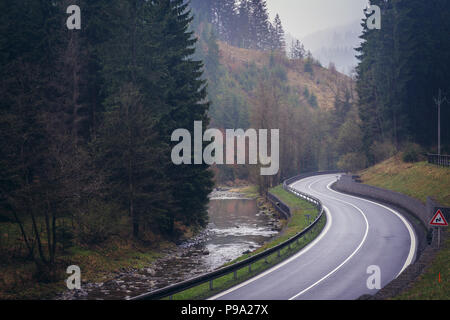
x: 17, y: 280
x: 99, y: 262
x: 419, y: 180
x: 297, y: 223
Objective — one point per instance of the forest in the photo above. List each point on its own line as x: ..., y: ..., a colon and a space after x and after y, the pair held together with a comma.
x: 270, y: 88
x: 402, y: 69
x: 86, y: 116
x: 86, y: 119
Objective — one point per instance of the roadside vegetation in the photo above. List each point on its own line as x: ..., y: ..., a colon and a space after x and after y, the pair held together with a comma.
x: 299, y: 208
x: 86, y: 175
x: 419, y: 180
x: 98, y: 263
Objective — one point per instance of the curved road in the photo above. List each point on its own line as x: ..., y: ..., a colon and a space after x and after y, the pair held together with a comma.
x: 359, y: 233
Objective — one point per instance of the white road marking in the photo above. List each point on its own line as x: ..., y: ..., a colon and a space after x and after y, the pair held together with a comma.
x: 326, y: 229
x: 349, y: 257
x: 413, y: 246
x: 278, y: 266
x: 413, y: 242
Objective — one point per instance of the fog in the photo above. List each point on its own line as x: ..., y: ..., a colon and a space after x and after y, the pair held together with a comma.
x: 303, y: 17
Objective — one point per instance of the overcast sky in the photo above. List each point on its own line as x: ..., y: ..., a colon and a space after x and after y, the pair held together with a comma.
x: 303, y: 17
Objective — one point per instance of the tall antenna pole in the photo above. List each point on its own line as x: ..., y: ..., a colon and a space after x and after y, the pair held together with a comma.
x: 439, y: 101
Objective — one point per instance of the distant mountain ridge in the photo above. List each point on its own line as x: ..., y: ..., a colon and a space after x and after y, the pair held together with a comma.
x: 336, y: 45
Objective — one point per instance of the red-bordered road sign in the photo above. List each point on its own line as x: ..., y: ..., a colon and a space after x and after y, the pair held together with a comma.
x: 439, y: 220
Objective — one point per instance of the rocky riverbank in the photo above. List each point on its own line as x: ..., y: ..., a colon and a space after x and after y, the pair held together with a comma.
x: 187, y: 260
x: 222, y: 193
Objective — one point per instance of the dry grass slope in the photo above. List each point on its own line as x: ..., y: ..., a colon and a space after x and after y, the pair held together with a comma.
x: 419, y: 180
x: 322, y: 82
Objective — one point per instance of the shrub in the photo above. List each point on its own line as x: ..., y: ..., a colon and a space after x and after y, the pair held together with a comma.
x: 98, y: 222
x: 381, y: 151
x: 308, y: 66
x: 306, y: 93
x: 65, y: 235
x: 313, y: 100
x: 412, y: 153
x: 352, y: 162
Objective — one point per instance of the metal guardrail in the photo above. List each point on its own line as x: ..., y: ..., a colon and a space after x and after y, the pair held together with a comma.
x: 440, y: 160
x: 306, y: 175
x: 279, y: 205
x: 169, y: 291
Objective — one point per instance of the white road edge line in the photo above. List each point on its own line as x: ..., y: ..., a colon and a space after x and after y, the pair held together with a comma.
x: 327, y: 227
x: 349, y: 257
x: 412, y: 235
x: 413, y: 246
x: 281, y: 264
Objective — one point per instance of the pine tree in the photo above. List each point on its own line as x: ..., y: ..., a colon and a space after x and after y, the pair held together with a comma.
x: 243, y: 23
x: 401, y: 67
x: 225, y: 20
x: 297, y: 50
x: 45, y: 98
x: 259, y: 25
x: 278, y: 38
x: 186, y: 102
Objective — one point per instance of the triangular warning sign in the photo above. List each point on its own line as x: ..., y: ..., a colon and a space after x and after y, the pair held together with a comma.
x: 438, y: 219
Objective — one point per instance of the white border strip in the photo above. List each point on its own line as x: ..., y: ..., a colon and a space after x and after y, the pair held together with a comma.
x: 408, y: 261
x: 413, y: 246
x: 281, y: 264
x: 350, y: 256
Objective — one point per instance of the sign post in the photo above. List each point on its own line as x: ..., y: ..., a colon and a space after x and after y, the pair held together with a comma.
x: 438, y: 220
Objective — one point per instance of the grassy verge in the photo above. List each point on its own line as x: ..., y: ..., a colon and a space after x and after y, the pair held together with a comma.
x: 419, y: 180
x: 17, y: 278
x: 98, y: 263
x: 297, y: 223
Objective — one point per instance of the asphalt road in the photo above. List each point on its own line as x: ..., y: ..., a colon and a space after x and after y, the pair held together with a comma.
x: 359, y: 233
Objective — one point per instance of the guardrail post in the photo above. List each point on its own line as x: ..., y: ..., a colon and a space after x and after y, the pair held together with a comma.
x: 307, y: 234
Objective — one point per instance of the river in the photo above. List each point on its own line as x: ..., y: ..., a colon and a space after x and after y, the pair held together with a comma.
x: 236, y: 226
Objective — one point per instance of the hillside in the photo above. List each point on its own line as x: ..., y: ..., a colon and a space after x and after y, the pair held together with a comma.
x: 321, y: 82
x: 313, y: 107
x: 419, y: 180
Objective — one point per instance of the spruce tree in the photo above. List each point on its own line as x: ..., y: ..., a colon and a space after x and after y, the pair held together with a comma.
x: 259, y: 25
x: 278, y: 38
x: 297, y: 50
x: 401, y: 67
x: 243, y: 24
x: 186, y: 103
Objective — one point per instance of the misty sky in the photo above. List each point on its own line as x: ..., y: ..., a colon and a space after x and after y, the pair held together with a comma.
x: 303, y: 17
